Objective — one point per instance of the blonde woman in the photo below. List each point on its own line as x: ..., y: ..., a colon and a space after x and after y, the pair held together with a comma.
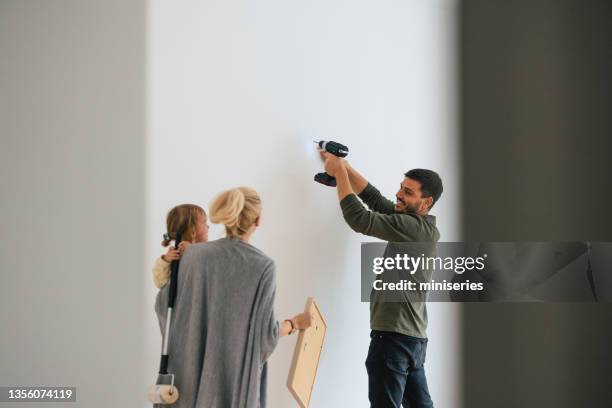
x: 224, y: 327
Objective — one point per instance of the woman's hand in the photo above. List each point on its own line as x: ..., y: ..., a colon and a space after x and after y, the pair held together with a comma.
x: 302, y: 321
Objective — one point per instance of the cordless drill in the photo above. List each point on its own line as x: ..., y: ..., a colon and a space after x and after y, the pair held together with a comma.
x: 335, y: 148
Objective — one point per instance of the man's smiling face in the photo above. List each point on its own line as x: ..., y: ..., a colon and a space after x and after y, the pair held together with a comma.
x: 409, y: 197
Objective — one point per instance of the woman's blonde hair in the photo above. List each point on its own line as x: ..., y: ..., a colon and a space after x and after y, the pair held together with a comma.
x: 182, y: 220
x: 237, y: 209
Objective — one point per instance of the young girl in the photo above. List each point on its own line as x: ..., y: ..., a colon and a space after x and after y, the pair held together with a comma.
x: 190, y: 222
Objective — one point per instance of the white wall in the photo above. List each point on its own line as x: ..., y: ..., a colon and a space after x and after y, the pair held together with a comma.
x: 237, y: 92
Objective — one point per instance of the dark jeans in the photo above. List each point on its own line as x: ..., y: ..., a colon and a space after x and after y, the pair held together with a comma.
x: 395, y: 371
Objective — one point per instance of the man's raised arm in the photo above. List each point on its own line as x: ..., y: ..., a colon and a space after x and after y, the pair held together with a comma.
x: 368, y: 193
x: 388, y: 227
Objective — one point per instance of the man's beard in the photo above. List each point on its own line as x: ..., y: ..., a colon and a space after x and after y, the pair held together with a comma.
x: 409, y: 208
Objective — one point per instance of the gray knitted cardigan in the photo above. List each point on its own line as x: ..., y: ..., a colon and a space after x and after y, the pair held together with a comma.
x: 223, y: 325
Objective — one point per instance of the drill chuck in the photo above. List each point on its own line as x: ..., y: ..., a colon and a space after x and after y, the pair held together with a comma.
x: 335, y: 148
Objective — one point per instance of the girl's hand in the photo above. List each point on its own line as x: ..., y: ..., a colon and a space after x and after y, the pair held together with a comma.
x: 183, y: 246
x: 172, y: 255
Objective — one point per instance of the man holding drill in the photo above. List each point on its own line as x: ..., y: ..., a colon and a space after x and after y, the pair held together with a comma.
x: 396, y: 356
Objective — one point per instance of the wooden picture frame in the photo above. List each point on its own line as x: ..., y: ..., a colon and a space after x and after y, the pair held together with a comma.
x: 308, y: 347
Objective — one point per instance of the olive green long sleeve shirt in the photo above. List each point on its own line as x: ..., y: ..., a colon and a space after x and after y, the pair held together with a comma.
x: 408, y: 317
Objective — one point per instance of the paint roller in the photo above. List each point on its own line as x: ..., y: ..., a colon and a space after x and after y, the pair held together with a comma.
x: 164, y: 391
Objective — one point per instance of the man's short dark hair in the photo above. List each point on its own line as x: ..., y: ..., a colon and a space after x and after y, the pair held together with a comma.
x: 431, y: 183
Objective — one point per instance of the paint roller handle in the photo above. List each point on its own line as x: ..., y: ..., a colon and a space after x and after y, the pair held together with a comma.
x: 174, y: 267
